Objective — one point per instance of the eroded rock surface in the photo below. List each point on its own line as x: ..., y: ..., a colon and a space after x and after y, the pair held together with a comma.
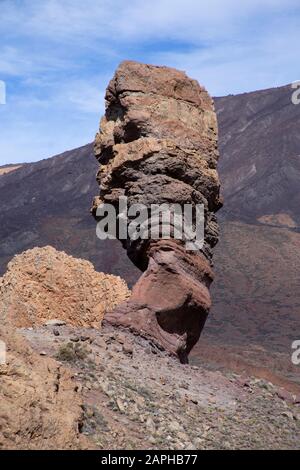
x: 158, y: 144
x: 39, y: 406
x: 45, y: 284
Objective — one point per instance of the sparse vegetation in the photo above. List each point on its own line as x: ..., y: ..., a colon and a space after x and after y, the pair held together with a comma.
x: 71, y: 352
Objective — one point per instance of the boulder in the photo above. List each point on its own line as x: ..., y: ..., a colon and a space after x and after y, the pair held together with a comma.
x: 46, y: 286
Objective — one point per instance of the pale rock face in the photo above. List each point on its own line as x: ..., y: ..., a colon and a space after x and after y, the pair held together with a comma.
x: 44, y: 284
x: 158, y: 144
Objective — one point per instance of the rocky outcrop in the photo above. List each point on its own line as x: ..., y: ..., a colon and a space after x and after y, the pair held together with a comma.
x: 39, y: 407
x: 43, y: 284
x: 158, y: 144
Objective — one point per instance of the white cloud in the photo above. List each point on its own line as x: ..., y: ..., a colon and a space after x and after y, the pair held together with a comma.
x: 84, y: 96
x: 118, y: 19
x: 23, y: 62
x: 264, y: 60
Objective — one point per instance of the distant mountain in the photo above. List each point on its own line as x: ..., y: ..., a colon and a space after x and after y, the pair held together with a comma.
x: 256, y: 293
x: 260, y: 156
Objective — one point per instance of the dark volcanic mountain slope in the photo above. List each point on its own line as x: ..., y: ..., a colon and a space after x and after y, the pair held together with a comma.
x: 260, y: 150
x: 256, y: 293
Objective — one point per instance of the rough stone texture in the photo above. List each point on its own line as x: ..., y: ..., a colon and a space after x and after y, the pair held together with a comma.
x: 44, y: 284
x: 158, y: 144
x: 39, y: 405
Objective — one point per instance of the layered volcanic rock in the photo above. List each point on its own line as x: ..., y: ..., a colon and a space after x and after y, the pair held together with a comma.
x: 44, y: 284
x: 158, y: 144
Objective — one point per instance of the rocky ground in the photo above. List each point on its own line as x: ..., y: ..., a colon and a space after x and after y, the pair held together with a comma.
x: 73, y: 385
x: 134, y: 396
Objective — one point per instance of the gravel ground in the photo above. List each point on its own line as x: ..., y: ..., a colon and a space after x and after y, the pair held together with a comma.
x: 137, y: 397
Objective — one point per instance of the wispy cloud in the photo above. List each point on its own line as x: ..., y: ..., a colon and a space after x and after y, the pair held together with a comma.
x: 57, y: 57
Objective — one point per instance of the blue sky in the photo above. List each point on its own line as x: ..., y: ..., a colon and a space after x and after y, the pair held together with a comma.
x: 56, y: 57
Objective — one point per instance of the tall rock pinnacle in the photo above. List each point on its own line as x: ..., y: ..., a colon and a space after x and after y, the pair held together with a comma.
x: 158, y: 145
